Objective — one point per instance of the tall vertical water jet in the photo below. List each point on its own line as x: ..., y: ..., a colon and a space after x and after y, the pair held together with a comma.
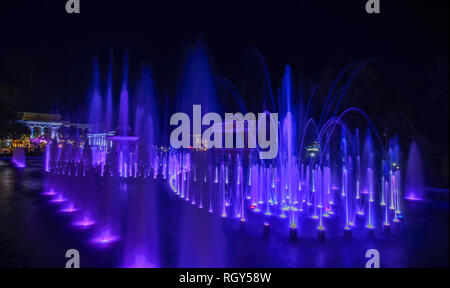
x: 198, y: 82
x: 109, y: 98
x: 95, y: 105
x: 414, y: 185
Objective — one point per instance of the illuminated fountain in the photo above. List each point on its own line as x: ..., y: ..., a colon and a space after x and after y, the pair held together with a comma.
x: 327, y: 174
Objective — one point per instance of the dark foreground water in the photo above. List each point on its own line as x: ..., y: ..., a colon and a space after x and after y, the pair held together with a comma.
x: 34, y: 233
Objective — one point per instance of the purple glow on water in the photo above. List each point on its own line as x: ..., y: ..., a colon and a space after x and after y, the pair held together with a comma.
x: 105, y: 238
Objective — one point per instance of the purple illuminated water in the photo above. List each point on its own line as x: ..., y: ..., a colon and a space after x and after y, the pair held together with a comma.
x: 414, y: 183
x: 327, y: 178
x: 109, y: 99
x: 18, y: 157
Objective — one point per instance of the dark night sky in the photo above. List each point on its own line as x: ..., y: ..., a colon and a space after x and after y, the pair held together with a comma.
x: 47, y: 54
